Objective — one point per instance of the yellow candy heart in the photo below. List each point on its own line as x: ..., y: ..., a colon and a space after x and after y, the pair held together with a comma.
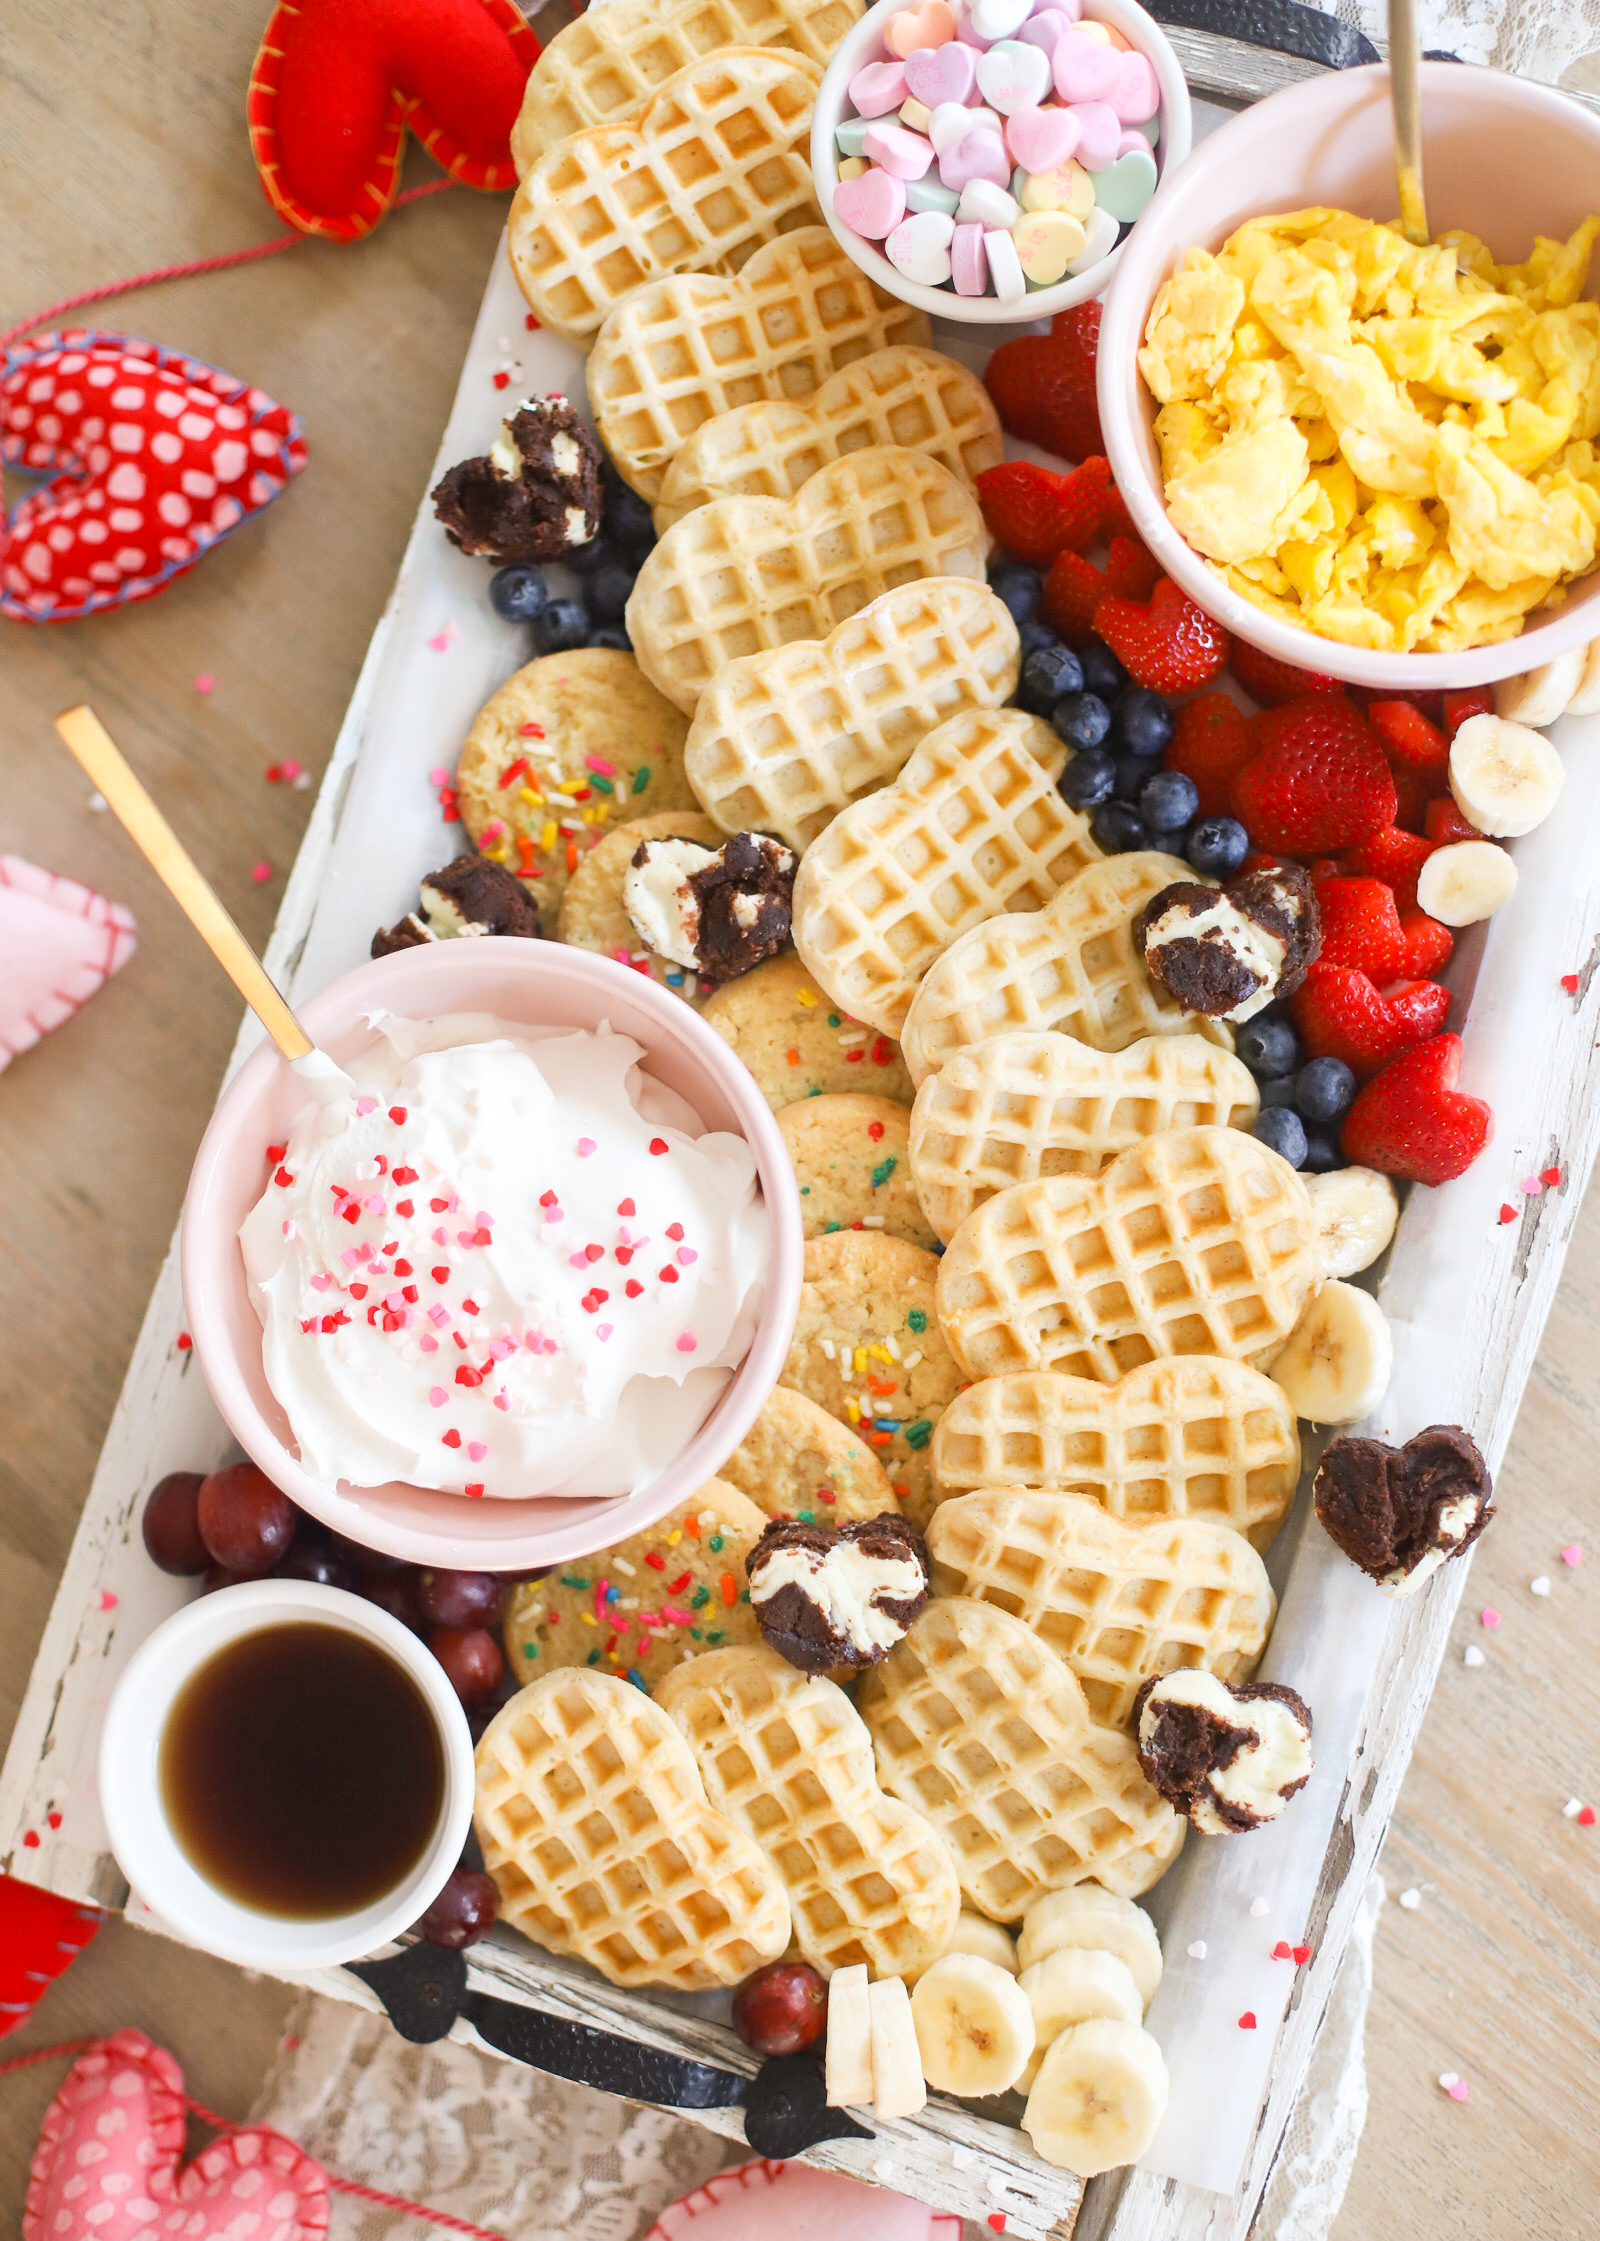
x: 1067, y: 186
x: 1046, y: 242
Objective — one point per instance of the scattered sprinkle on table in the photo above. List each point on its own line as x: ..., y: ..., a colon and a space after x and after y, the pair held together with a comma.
x: 1411, y: 1899
x: 1258, y: 1908
x: 1197, y: 1951
x: 1572, y: 1554
x: 1473, y: 1656
x: 1540, y: 1586
x: 1490, y: 1616
x: 261, y: 872
x: 205, y: 683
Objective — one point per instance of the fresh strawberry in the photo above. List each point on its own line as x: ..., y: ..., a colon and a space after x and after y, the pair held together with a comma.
x: 1259, y: 861
x: 1412, y: 1121
x: 1412, y: 794
x: 1361, y: 927
x: 1118, y: 522
x: 1132, y: 569
x: 1169, y: 646
x: 1271, y: 682
x: 1428, y: 945
x: 1394, y: 857
x: 40, y: 1936
x: 1037, y: 513
x: 1211, y: 742
x: 1479, y: 701
x: 1428, y: 704
x: 1319, y: 782
x: 1409, y: 740
x: 1445, y: 823
x: 1043, y: 385
x: 1073, y: 590
x: 1341, y: 1015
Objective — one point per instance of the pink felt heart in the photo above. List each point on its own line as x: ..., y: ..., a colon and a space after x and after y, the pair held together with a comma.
x: 1085, y: 70
x: 754, y: 2201
x: 148, y: 457
x: 106, y: 2167
x: 1133, y: 92
x: 60, y: 942
x: 1039, y: 139
x: 1099, y: 133
x: 981, y: 155
x: 936, y: 74
x: 880, y: 87
x: 928, y: 26
x: 872, y: 204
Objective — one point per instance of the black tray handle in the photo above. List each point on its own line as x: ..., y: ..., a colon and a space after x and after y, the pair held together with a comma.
x: 1283, y: 24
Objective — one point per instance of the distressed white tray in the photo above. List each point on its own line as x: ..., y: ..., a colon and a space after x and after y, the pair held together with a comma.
x: 1467, y: 1293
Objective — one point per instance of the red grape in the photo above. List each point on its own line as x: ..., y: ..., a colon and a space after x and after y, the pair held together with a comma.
x: 460, y: 1598
x: 472, y: 1661
x: 463, y: 1912
x: 171, y: 1535
x: 782, y: 2009
x: 245, y: 1521
x: 394, y: 1592
x: 314, y: 1557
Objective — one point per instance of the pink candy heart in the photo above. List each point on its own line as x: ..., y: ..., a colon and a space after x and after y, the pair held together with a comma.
x: 906, y: 154
x: 1099, y: 134
x: 1040, y: 139
x: 1084, y: 70
x: 1045, y: 27
x: 882, y: 86
x: 1134, y: 94
x: 969, y: 267
x: 935, y: 74
x: 981, y: 155
x: 928, y: 26
x: 872, y: 204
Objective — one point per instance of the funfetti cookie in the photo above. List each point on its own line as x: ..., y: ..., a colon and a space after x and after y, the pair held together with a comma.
x: 867, y: 1346
x: 568, y: 746
x: 799, y: 1461
x: 852, y: 1162
x: 797, y: 1043
x: 593, y: 915
x: 644, y: 1606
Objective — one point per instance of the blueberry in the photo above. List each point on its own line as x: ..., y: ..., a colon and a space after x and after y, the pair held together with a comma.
x: 1323, y: 1089
x: 1279, y: 1092
x: 1168, y: 800
x: 1082, y: 719
x: 1283, y: 1131
x: 606, y: 592
x: 1268, y: 1046
x: 1018, y: 590
x: 1118, y: 827
x: 583, y: 560
x: 1217, y: 846
x: 1169, y: 843
x: 1037, y: 634
x: 1047, y: 676
x: 518, y: 594
x: 627, y: 520
x: 561, y: 626
x: 1088, y: 779
x: 1102, y: 672
x: 1144, y: 722
x: 612, y: 635
x: 1322, y: 1152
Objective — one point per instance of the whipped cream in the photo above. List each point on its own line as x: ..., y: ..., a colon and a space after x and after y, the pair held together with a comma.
x: 510, y: 1263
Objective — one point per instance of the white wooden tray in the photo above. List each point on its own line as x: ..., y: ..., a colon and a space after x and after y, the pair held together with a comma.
x: 1467, y: 1293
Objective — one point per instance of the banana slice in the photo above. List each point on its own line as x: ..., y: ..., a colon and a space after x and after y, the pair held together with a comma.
x: 1088, y: 1914
x: 975, y: 1933
x: 1586, y: 700
x: 897, y: 2087
x: 847, y: 2056
x: 1355, y: 1209
x: 1544, y: 694
x: 1100, y: 2093
x: 1505, y: 778
x: 1340, y: 1357
x: 1468, y: 880
x: 1072, y: 1985
x: 974, y: 2026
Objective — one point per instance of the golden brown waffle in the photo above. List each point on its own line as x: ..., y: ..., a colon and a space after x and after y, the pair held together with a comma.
x: 787, y: 1759
x: 674, y: 353
x: 917, y: 399
x: 714, y: 165
x: 972, y: 826
x: 1015, y: 1107
x: 982, y: 1728
x: 750, y: 573
x: 782, y: 741
x: 1191, y: 1437
x: 1115, y: 1602
x: 604, y: 67
x: 596, y: 1828
x: 1199, y: 1241
x: 798, y: 1461
x: 1073, y: 967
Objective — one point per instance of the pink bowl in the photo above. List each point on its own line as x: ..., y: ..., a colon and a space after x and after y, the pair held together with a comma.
x: 1504, y: 159
x: 540, y: 984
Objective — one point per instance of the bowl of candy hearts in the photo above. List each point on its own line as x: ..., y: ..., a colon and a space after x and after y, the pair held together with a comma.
x: 985, y: 159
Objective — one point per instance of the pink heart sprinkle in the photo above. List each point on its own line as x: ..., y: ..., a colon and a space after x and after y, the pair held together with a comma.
x: 439, y: 643
x: 439, y: 776
x: 871, y: 205
x: 321, y: 1281
x: 440, y: 1236
x: 686, y: 1344
x: 935, y: 74
x: 586, y: 1145
x: 438, y: 1315
x: 687, y: 1256
x: 501, y: 1401
x: 1572, y: 1554
x: 881, y: 86
x: 428, y: 1343
x: 394, y: 1302
x: 1040, y: 139
x: 477, y: 1450
x: 436, y: 1393
x: 375, y: 1204
x: 366, y: 1105
x: 1531, y: 1186
x: 577, y: 1260
x: 1489, y: 1616
x: 205, y: 683
x: 464, y: 1236
x: 108, y: 1601
x: 602, y: 1330
x: 1458, y: 2091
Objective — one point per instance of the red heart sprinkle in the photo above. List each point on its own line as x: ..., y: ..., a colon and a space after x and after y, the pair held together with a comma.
x: 1247, y: 2021
x: 997, y: 2221
x: 31, y: 1839
x: 440, y: 1275
x: 547, y: 1198
x: 594, y: 1252
x: 502, y: 380
x: 1302, y: 1954
x: 675, y: 1232
x: 624, y: 1254
x: 397, y: 1113
x: 633, y: 1287
x: 658, y: 1145
x: 1550, y: 1177
x: 469, y: 1307
x: 626, y: 1206
x: 451, y: 1438
x: 54, y: 1820
x: 283, y: 1178
x: 358, y: 1291
x: 275, y: 1152
x: 1507, y: 1214
x: 1569, y: 982
x: 1282, y: 1951
x: 184, y: 1342
x: 1586, y: 1818
x: 438, y: 1205
x: 668, y: 1275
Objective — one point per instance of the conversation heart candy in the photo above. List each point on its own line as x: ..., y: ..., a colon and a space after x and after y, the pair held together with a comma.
x: 969, y: 268
x: 1098, y: 134
x: 981, y: 155
x: 1123, y: 188
x: 1046, y: 241
x: 852, y: 167
x: 939, y: 74
x: 951, y: 122
x: 1101, y: 33
x: 967, y: 31
x: 927, y: 193
x: 1134, y: 93
x: 1099, y: 239
x: 914, y: 115
x: 1005, y: 270
x: 1045, y: 26
x: 906, y: 154
x: 1115, y: 38
x: 1068, y: 187
x: 848, y: 136
x: 928, y: 26
x: 1041, y: 139
x: 1131, y: 142
x: 1083, y: 69
x: 1012, y: 76
x: 879, y: 88
x: 920, y: 247
x: 871, y: 205
x: 1150, y: 131
x: 998, y: 19
x: 987, y: 205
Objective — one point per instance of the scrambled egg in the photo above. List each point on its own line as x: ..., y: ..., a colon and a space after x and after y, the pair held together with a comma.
x: 1393, y: 447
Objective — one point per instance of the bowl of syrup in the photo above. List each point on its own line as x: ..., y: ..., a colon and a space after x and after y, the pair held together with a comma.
x: 287, y: 1776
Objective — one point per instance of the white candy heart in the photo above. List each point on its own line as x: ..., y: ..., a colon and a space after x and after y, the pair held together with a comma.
x: 920, y: 247
x: 1013, y: 75
x: 989, y: 205
x: 1099, y: 239
x: 1005, y: 267
x: 951, y: 122
x: 999, y: 19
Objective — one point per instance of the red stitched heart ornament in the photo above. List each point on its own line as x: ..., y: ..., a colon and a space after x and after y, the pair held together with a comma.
x: 148, y: 459
x: 336, y: 83
x: 106, y: 2167
x: 40, y: 1934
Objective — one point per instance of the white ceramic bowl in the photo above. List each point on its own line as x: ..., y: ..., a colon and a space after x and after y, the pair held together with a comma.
x: 864, y: 44
x: 150, y: 1856
x: 1504, y: 159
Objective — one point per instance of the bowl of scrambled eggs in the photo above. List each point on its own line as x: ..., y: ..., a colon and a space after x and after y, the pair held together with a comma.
x: 1369, y: 459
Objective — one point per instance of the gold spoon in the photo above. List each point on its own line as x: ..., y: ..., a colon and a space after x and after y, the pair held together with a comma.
x: 1405, y: 91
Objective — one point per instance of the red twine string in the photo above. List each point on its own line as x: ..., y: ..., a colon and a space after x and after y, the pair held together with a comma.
x: 188, y: 271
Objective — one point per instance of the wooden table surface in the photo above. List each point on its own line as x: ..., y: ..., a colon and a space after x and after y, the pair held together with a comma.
x: 124, y: 148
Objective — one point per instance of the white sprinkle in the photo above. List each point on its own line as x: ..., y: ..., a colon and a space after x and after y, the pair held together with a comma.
x: 883, y: 2168
x: 99, y: 804
x: 1473, y: 1656
x: 1411, y: 1899
x: 1572, y: 1808
x: 302, y: 781
x: 1197, y: 1951
x: 621, y: 1564
x: 1540, y: 1586
x: 876, y: 1221
x: 893, y: 1345
x: 1258, y: 1907
x: 828, y: 1349
x: 962, y: 2159
x: 853, y: 1035
x: 1448, y: 2078
x: 912, y: 1360
x: 997, y: 2187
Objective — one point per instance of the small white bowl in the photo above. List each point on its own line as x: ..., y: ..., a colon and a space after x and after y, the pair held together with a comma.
x: 150, y: 1855
x: 864, y: 44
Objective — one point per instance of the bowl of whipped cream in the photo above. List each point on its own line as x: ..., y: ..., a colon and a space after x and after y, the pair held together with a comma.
x: 506, y: 1269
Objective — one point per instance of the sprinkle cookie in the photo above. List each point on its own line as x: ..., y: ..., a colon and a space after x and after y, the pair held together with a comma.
x: 592, y: 914
x: 798, y: 1461
x: 797, y: 1042
x: 852, y: 1161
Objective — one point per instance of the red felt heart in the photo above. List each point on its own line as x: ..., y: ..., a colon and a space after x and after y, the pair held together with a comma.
x: 148, y: 458
x: 336, y: 82
x: 40, y: 1934
x: 106, y: 2168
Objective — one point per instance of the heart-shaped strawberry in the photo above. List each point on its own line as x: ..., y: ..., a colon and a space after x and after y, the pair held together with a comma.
x: 336, y: 83
x: 1411, y: 1120
x: 148, y: 459
x: 1043, y: 386
x: 1340, y: 1014
x: 40, y: 1936
x: 106, y: 2168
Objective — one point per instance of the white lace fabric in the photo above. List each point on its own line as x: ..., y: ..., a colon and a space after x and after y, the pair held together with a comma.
x: 1557, y: 41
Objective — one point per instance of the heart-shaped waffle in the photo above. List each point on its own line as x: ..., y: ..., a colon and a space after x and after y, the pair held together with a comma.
x: 982, y: 1728
x: 1193, y: 1436
x: 1116, y: 1602
x: 1198, y: 1241
x: 714, y: 166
